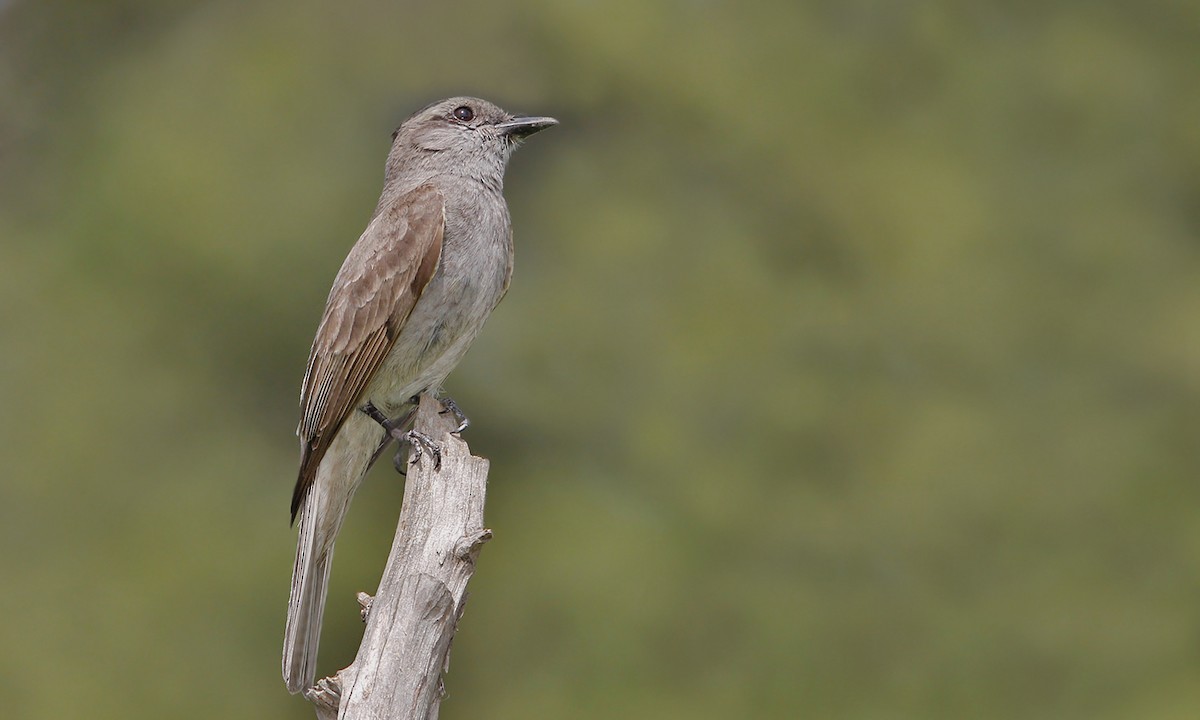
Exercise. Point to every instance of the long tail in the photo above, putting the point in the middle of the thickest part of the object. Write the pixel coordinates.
(321, 515)
(306, 607)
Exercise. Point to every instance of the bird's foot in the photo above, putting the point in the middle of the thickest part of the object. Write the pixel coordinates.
(451, 407)
(420, 443)
(394, 429)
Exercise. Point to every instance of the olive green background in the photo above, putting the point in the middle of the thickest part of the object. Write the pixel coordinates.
(851, 366)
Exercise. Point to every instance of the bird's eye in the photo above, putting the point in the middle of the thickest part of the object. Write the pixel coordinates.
(464, 113)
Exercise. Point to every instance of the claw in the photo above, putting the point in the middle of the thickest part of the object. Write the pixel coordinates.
(449, 406)
(420, 444)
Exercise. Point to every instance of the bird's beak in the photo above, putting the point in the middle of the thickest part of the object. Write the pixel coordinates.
(524, 126)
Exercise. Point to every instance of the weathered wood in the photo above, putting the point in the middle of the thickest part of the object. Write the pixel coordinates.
(413, 616)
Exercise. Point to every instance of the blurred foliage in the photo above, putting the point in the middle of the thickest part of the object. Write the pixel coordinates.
(851, 368)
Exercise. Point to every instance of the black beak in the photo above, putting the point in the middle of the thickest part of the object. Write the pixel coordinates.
(525, 126)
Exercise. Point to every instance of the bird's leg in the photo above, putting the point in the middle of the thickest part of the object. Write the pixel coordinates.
(377, 415)
(449, 406)
(393, 429)
(418, 441)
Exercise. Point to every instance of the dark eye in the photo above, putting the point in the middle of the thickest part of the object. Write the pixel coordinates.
(464, 113)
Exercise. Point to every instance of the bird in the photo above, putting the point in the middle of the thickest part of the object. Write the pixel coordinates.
(413, 293)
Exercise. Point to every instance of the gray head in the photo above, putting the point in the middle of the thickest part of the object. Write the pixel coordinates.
(459, 136)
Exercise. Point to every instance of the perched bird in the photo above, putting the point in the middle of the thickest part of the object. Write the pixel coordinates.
(411, 296)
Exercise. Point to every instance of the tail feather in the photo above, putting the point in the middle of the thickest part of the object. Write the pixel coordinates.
(306, 607)
(322, 510)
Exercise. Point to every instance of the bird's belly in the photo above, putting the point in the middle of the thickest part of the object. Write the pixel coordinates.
(442, 326)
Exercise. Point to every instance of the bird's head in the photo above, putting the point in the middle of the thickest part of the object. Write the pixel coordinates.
(461, 135)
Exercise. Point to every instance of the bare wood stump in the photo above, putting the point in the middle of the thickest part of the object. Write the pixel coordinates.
(413, 616)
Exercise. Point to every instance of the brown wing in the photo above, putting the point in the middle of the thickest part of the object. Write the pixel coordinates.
(372, 296)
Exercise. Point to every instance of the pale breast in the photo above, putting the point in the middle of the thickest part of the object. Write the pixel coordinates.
(472, 276)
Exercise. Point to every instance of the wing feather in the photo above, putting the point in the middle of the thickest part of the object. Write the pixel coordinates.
(372, 297)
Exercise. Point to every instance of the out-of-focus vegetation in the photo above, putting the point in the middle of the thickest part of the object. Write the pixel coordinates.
(851, 368)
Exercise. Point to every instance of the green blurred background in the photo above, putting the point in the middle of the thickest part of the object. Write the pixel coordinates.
(851, 367)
